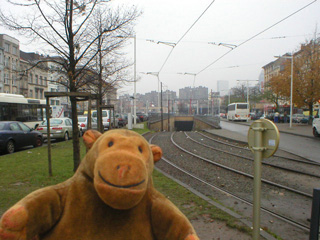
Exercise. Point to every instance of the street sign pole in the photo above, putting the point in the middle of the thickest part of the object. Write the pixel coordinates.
(257, 179)
(263, 140)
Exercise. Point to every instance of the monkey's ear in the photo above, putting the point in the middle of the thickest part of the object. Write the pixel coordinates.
(157, 152)
(90, 136)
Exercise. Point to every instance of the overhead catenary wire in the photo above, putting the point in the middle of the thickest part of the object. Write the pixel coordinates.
(283, 19)
(185, 35)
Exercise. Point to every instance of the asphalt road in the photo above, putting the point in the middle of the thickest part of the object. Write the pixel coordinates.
(303, 146)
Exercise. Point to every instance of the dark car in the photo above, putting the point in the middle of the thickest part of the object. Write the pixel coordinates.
(142, 117)
(281, 118)
(15, 135)
(122, 119)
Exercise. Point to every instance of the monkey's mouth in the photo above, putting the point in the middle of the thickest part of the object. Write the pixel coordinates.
(120, 186)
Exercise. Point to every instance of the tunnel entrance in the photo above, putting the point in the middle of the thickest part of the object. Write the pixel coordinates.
(183, 125)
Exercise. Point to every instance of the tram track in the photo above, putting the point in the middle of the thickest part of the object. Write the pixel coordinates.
(242, 173)
(235, 144)
(195, 168)
(314, 168)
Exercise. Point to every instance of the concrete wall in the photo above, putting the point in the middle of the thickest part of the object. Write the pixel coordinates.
(199, 124)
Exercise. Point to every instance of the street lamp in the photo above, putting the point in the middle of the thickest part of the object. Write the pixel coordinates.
(194, 79)
(291, 85)
(157, 75)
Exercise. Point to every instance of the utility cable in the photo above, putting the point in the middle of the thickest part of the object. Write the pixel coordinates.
(185, 34)
(256, 35)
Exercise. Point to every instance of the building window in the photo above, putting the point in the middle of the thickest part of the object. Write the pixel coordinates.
(6, 47)
(41, 81)
(6, 61)
(14, 66)
(6, 78)
(14, 80)
(14, 50)
(45, 81)
(31, 78)
(37, 79)
(36, 92)
(31, 93)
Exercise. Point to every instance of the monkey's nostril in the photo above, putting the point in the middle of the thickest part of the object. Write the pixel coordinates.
(118, 167)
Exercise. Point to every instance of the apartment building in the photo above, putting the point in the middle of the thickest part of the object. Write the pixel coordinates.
(273, 69)
(196, 93)
(1, 68)
(11, 57)
(34, 75)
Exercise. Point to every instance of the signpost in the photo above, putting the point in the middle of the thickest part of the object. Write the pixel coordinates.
(263, 140)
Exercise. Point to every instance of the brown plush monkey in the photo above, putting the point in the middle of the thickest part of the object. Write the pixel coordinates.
(110, 197)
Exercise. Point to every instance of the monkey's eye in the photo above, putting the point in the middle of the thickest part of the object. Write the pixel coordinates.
(110, 144)
(140, 149)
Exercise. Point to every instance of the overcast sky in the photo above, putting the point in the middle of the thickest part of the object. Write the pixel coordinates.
(231, 22)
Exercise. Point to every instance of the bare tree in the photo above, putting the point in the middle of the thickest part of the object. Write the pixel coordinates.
(64, 26)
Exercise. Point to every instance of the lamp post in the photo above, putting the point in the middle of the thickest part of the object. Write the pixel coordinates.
(135, 81)
(291, 86)
(135, 76)
(194, 79)
(157, 75)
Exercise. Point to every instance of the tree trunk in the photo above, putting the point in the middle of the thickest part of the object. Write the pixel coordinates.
(75, 134)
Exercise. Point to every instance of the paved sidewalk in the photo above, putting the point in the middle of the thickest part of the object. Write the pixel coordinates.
(298, 129)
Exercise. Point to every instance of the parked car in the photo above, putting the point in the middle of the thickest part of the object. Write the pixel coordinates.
(142, 117)
(270, 116)
(316, 126)
(299, 118)
(60, 128)
(281, 118)
(15, 135)
(254, 116)
(122, 119)
(83, 123)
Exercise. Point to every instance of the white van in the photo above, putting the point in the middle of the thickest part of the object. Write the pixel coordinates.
(105, 118)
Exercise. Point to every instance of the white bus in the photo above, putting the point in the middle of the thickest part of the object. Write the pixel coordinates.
(15, 107)
(238, 112)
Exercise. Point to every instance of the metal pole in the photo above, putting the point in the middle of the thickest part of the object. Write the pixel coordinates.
(48, 136)
(158, 91)
(168, 113)
(161, 110)
(257, 180)
(135, 82)
(291, 90)
(248, 92)
(315, 213)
